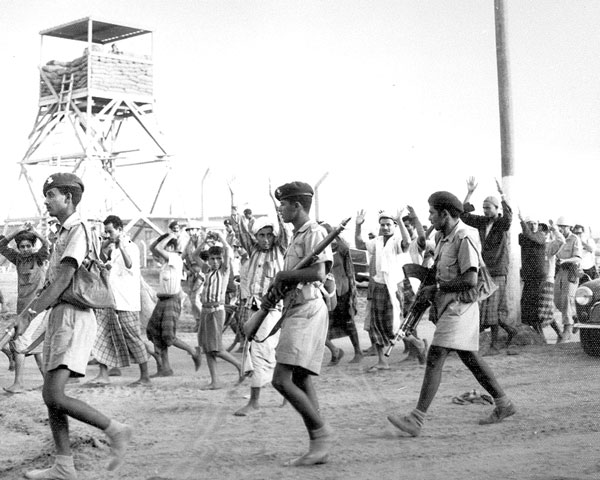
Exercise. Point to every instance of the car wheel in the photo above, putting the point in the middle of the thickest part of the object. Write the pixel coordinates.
(590, 341)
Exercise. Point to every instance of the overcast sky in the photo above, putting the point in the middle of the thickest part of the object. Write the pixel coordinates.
(395, 99)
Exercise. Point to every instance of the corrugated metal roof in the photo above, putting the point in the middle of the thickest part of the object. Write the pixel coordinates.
(103, 32)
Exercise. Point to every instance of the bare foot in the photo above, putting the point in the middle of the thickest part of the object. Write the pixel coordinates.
(357, 358)
(141, 382)
(162, 373)
(211, 386)
(197, 359)
(114, 372)
(247, 410)
(99, 380)
(15, 388)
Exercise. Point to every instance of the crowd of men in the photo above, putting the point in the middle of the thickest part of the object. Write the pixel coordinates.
(245, 274)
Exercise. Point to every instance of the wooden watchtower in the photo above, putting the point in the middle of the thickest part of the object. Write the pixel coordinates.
(107, 87)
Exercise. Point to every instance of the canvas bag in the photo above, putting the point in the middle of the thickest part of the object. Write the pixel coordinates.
(90, 287)
(485, 285)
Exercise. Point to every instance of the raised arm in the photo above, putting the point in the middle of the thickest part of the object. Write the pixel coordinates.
(158, 247)
(358, 240)
(403, 231)
(471, 186)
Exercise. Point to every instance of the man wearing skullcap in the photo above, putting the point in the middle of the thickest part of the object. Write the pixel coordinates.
(299, 352)
(457, 261)
(386, 290)
(265, 242)
(493, 228)
(70, 333)
(567, 277)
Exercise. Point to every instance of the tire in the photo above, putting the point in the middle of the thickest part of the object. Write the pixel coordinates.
(590, 341)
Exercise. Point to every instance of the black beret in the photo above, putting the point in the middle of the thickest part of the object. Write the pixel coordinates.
(62, 179)
(445, 200)
(294, 189)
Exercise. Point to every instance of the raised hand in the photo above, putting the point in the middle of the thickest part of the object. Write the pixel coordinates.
(499, 187)
(360, 217)
(411, 212)
(471, 184)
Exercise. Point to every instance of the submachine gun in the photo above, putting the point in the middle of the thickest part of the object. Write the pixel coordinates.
(419, 306)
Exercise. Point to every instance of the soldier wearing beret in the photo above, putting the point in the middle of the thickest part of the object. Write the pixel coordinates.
(70, 333)
(304, 329)
(457, 260)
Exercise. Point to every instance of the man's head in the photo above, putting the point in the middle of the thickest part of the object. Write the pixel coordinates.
(533, 224)
(444, 210)
(387, 224)
(294, 197)
(175, 227)
(62, 192)
(215, 257)
(113, 226)
(248, 213)
(490, 207)
(265, 230)
(578, 229)
(409, 224)
(25, 241)
(193, 229)
(228, 225)
(564, 225)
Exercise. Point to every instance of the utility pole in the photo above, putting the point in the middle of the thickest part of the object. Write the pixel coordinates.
(509, 179)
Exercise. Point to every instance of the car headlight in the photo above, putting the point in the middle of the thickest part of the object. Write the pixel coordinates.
(583, 296)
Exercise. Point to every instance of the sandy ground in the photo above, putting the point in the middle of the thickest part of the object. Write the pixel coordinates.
(183, 432)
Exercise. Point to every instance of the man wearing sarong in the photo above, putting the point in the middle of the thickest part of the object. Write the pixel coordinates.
(386, 282)
(457, 260)
(119, 337)
(493, 228)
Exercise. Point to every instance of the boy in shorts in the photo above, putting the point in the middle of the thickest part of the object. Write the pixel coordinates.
(212, 317)
(70, 333)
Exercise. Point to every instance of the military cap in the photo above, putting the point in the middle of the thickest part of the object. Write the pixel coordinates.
(294, 189)
(445, 200)
(62, 179)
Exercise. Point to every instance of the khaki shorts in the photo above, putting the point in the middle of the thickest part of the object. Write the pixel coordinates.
(69, 338)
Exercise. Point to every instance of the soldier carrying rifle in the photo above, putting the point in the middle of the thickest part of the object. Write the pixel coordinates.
(304, 329)
(456, 262)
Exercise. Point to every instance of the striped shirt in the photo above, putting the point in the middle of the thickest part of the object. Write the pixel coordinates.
(215, 286)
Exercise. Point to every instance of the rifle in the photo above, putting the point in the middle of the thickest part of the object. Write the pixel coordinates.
(253, 324)
(419, 306)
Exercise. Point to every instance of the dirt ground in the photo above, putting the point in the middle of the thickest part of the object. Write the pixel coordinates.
(183, 432)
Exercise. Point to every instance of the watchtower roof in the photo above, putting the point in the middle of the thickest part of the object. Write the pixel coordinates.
(102, 32)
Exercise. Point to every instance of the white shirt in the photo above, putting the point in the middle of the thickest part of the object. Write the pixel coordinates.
(169, 281)
(125, 282)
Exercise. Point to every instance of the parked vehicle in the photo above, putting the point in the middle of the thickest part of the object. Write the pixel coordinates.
(587, 300)
(360, 260)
